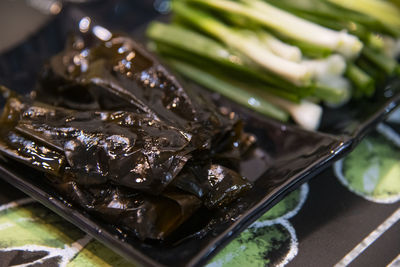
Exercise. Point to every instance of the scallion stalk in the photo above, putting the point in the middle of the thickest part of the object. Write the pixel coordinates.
(289, 70)
(172, 39)
(381, 10)
(363, 82)
(230, 91)
(289, 25)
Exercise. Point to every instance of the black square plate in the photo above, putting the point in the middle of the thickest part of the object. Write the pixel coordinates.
(293, 155)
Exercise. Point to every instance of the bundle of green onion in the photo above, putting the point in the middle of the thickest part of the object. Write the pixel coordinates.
(283, 58)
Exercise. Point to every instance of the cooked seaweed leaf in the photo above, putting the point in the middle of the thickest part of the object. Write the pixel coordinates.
(147, 216)
(119, 74)
(216, 185)
(116, 134)
(16, 146)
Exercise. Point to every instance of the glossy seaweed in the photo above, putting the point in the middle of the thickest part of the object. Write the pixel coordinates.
(118, 135)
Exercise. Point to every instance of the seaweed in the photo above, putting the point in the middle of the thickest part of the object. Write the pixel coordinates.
(118, 135)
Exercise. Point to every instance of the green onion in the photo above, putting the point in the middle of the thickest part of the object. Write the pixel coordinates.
(230, 91)
(364, 83)
(274, 56)
(289, 70)
(175, 37)
(381, 10)
(289, 25)
(384, 62)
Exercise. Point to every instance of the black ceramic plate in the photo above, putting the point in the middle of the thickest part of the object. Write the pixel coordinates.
(293, 155)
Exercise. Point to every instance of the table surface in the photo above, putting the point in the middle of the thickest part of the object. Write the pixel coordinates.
(347, 215)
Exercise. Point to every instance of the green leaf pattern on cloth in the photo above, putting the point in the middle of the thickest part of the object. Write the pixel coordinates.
(30, 230)
(372, 170)
(33, 232)
(270, 241)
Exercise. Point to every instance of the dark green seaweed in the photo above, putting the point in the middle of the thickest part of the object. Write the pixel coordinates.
(118, 135)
